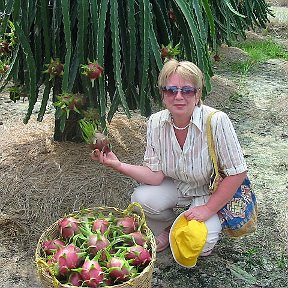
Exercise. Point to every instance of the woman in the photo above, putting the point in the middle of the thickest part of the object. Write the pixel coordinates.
(177, 166)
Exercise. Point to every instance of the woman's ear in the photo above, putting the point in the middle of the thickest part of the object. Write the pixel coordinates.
(198, 97)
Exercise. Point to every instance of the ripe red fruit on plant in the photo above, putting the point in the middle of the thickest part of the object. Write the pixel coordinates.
(92, 273)
(68, 227)
(50, 246)
(139, 255)
(128, 224)
(92, 70)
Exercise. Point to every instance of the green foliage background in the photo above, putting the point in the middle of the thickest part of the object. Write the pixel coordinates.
(123, 36)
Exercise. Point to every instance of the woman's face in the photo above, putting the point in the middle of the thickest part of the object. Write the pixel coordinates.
(180, 104)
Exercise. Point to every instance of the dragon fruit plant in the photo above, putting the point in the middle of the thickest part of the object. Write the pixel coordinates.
(95, 250)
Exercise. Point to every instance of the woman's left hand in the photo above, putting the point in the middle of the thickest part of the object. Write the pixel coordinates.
(199, 213)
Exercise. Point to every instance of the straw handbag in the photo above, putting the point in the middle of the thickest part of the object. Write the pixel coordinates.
(143, 280)
(239, 216)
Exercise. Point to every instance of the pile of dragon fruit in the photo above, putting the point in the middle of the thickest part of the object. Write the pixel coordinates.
(97, 251)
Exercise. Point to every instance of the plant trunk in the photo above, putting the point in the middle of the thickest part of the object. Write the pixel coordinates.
(72, 130)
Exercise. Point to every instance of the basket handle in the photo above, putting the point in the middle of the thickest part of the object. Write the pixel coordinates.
(55, 280)
(131, 207)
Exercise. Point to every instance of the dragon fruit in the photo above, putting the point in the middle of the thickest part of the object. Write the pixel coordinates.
(119, 269)
(101, 225)
(66, 258)
(75, 279)
(68, 227)
(139, 255)
(92, 70)
(128, 224)
(92, 273)
(138, 238)
(50, 246)
(96, 242)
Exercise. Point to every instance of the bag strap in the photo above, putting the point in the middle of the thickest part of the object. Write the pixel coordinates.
(212, 150)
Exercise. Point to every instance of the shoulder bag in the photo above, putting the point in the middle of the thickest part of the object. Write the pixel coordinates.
(239, 216)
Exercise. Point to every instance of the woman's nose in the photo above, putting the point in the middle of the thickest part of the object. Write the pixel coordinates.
(179, 94)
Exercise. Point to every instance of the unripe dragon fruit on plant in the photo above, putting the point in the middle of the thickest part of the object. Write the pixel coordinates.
(54, 68)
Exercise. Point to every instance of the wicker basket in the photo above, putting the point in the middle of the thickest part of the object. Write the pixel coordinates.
(143, 280)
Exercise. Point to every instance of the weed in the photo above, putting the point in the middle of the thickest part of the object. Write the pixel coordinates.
(282, 263)
(242, 67)
(263, 50)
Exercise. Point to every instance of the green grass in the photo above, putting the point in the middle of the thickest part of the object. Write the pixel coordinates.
(261, 51)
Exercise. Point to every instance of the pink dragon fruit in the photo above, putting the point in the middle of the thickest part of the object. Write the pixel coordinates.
(97, 242)
(139, 255)
(92, 273)
(119, 269)
(101, 225)
(66, 258)
(51, 246)
(75, 279)
(68, 227)
(128, 224)
(138, 238)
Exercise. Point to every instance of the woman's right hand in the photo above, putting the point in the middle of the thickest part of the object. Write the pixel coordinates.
(106, 158)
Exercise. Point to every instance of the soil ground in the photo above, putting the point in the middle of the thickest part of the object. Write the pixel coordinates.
(42, 180)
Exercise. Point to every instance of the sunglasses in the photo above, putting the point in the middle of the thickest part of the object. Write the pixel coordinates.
(188, 91)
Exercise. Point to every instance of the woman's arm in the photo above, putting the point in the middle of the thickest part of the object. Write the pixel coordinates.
(141, 174)
(224, 193)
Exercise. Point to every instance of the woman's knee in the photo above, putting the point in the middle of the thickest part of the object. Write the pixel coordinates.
(145, 198)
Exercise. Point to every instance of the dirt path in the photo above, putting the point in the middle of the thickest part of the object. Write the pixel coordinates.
(259, 113)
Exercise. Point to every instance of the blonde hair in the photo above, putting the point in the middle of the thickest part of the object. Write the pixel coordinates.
(185, 69)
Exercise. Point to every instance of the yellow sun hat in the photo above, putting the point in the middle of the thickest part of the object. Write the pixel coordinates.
(187, 239)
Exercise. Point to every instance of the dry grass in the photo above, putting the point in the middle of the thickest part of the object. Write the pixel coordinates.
(42, 180)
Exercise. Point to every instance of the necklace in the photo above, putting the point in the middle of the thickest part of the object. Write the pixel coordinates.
(179, 128)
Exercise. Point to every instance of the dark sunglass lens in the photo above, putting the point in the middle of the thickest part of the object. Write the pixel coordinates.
(171, 90)
(188, 90)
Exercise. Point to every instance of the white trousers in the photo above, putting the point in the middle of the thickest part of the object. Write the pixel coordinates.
(159, 201)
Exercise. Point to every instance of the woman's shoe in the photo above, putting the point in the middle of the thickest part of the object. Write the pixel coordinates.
(207, 253)
(162, 241)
